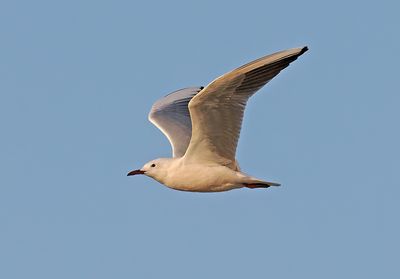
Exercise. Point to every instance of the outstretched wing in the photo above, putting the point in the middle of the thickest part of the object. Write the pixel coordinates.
(217, 111)
(171, 115)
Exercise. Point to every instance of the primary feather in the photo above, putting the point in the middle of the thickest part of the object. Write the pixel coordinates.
(217, 111)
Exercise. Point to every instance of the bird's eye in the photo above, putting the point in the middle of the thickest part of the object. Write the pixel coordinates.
(153, 165)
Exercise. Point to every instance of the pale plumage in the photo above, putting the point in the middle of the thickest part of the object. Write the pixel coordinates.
(203, 127)
(171, 115)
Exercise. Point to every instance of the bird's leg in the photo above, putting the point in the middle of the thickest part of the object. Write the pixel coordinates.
(255, 185)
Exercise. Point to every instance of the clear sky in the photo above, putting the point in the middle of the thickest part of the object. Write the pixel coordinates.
(77, 79)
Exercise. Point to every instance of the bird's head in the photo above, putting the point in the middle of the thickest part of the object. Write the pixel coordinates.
(156, 169)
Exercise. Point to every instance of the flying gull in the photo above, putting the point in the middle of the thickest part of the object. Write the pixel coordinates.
(203, 126)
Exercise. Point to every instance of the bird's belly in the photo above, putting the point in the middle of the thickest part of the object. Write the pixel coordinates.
(203, 179)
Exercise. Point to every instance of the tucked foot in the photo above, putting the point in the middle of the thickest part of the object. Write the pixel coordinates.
(253, 186)
(260, 185)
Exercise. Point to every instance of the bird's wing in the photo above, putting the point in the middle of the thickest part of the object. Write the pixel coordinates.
(171, 115)
(217, 111)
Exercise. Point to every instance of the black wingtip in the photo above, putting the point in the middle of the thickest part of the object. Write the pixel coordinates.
(304, 49)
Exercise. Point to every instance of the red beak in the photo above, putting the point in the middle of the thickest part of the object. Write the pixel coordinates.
(135, 172)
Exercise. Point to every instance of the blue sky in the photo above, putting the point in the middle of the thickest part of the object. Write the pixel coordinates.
(77, 79)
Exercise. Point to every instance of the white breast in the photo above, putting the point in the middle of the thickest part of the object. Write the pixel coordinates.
(201, 178)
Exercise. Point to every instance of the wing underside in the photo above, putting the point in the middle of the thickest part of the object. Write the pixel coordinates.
(171, 115)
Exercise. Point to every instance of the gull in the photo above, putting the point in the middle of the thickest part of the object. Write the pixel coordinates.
(203, 125)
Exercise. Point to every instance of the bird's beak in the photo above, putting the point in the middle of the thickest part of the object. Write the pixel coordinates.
(134, 172)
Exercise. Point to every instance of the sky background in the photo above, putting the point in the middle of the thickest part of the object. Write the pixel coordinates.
(77, 79)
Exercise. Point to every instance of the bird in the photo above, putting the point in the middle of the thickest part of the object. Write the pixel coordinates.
(203, 126)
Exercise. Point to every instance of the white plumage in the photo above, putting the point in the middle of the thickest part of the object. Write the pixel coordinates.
(203, 127)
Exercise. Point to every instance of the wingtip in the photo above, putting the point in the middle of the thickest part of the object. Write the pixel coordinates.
(304, 49)
(275, 184)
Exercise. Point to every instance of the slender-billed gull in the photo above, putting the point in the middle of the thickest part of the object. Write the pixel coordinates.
(203, 126)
